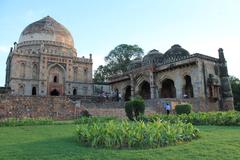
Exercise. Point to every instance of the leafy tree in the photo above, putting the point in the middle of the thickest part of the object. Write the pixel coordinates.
(235, 84)
(117, 61)
(100, 74)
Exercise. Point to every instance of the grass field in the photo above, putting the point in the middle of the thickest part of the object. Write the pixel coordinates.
(59, 142)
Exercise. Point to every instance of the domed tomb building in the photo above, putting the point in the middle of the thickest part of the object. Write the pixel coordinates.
(45, 62)
(178, 76)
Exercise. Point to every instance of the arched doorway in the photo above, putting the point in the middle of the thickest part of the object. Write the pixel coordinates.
(34, 91)
(127, 93)
(144, 91)
(54, 93)
(168, 89)
(74, 91)
(188, 88)
(56, 79)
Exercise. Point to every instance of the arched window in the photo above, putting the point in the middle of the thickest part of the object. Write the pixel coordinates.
(188, 88)
(21, 89)
(144, 90)
(22, 70)
(34, 91)
(74, 91)
(168, 89)
(127, 93)
(34, 71)
(55, 79)
(75, 71)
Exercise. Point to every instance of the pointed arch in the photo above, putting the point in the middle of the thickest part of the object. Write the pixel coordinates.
(168, 89)
(188, 87)
(144, 90)
(34, 71)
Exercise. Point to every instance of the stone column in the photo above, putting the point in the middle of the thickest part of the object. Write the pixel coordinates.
(132, 85)
(178, 83)
(152, 85)
(226, 90)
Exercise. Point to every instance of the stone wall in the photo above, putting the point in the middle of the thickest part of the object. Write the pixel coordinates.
(65, 108)
(30, 106)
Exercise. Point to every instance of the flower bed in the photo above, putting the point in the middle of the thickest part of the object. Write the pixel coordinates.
(121, 134)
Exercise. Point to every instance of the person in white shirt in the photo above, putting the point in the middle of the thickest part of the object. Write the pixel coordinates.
(168, 108)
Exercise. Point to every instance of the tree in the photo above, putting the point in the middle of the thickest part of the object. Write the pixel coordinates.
(235, 84)
(100, 74)
(117, 61)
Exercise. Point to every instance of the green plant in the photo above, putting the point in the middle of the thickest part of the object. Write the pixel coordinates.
(201, 118)
(134, 108)
(25, 121)
(121, 134)
(93, 119)
(183, 108)
(237, 106)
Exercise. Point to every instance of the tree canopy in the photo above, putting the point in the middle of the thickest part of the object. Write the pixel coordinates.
(235, 84)
(117, 61)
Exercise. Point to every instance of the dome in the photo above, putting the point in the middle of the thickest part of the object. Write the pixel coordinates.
(176, 51)
(47, 29)
(136, 63)
(153, 57)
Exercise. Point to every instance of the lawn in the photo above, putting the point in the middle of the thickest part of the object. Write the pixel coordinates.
(59, 142)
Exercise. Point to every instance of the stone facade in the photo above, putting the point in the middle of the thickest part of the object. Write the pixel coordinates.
(177, 74)
(44, 62)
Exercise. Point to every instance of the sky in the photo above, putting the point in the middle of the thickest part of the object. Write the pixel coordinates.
(98, 26)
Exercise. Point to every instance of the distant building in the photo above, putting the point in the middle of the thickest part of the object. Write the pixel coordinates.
(45, 62)
(177, 74)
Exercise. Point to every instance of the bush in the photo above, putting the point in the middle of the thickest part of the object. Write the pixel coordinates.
(85, 113)
(134, 108)
(237, 107)
(93, 119)
(121, 134)
(183, 108)
(202, 118)
(25, 122)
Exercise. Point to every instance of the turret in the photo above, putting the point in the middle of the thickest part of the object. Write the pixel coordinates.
(226, 90)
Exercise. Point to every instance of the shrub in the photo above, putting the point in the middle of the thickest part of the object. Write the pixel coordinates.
(93, 119)
(201, 118)
(237, 107)
(183, 108)
(121, 134)
(25, 122)
(134, 108)
(85, 113)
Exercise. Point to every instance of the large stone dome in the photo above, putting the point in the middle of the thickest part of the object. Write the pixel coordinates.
(176, 51)
(47, 29)
(153, 57)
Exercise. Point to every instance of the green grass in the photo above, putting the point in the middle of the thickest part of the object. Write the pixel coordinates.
(59, 142)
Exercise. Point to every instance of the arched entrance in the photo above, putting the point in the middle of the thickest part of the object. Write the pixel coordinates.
(188, 88)
(56, 80)
(54, 92)
(127, 93)
(34, 91)
(144, 90)
(74, 91)
(168, 89)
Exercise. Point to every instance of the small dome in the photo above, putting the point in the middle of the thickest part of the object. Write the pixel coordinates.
(136, 63)
(176, 51)
(47, 29)
(153, 57)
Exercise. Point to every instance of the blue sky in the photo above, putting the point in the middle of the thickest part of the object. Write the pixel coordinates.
(97, 26)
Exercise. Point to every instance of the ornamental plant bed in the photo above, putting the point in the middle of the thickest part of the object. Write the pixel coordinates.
(125, 134)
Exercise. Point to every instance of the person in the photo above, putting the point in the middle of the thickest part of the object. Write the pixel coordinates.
(168, 108)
